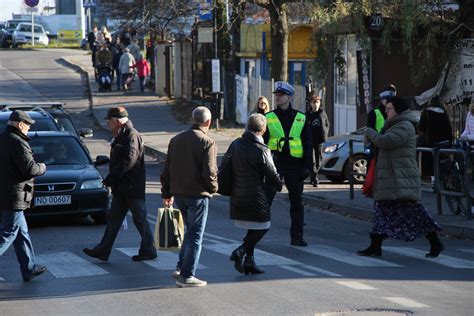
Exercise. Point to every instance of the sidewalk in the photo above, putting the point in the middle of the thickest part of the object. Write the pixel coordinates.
(151, 115)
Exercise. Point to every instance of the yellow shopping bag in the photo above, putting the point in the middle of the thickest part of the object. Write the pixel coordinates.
(169, 229)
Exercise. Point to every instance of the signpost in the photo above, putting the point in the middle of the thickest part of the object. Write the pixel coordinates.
(32, 4)
(88, 4)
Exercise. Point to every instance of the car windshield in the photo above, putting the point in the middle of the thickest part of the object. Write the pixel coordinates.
(27, 28)
(59, 151)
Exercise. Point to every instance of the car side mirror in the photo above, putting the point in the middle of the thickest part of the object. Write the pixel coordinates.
(86, 132)
(101, 160)
(47, 32)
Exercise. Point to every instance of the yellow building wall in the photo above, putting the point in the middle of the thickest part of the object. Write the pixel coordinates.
(300, 42)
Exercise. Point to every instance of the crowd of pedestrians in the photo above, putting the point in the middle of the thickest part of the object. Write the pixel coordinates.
(121, 56)
(276, 148)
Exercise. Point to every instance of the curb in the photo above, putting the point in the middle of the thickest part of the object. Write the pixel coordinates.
(367, 215)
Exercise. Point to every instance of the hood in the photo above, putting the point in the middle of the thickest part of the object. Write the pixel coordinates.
(75, 173)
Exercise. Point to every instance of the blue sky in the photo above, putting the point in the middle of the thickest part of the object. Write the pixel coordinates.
(7, 7)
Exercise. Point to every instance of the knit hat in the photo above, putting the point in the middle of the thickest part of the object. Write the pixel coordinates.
(398, 104)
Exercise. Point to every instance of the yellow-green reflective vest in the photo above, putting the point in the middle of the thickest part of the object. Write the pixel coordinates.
(277, 135)
(379, 120)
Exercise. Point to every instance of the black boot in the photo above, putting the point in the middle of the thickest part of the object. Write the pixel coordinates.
(375, 248)
(436, 245)
(238, 257)
(250, 267)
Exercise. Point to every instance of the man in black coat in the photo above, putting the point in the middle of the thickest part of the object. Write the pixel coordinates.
(289, 138)
(127, 180)
(17, 170)
(319, 124)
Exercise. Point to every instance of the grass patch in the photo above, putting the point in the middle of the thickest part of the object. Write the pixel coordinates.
(53, 44)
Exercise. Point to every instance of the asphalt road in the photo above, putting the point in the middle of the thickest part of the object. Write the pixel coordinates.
(326, 277)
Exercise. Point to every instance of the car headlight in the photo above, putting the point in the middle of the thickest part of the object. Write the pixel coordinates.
(332, 148)
(92, 184)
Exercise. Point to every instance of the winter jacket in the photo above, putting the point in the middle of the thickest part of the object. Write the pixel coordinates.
(104, 57)
(17, 170)
(126, 63)
(286, 118)
(319, 125)
(143, 67)
(253, 177)
(190, 167)
(396, 173)
(127, 173)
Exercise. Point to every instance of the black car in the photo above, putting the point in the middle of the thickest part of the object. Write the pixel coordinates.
(72, 183)
(53, 109)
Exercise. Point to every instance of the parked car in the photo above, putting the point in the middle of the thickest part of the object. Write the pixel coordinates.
(335, 164)
(22, 34)
(72, 184)
(6, 34)
(53, 109)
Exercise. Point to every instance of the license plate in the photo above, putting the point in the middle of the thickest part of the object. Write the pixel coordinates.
(53, 200)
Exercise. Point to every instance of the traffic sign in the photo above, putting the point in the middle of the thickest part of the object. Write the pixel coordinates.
(31, 3)
(89, 3)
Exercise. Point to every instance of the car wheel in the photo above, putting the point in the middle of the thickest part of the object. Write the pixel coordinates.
(99, 218)
(335, 179)
(359, 165)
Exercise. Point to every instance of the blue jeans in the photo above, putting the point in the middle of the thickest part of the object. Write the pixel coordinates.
(194, 212)
(15, 231)
(118, 210)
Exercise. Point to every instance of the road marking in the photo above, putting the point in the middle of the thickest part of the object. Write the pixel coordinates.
(346, 257)
(322, 271)
(356, 285)
(68, 265)
(442, 259)
(299, 271)
(263, 258)
(166, 259)
(219, 238)
(470, 250)
(406, 302)
(2, 279)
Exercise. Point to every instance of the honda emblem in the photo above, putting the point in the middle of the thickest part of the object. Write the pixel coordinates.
(51, 188)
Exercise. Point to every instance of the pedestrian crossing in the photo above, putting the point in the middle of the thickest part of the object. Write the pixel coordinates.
(68, 264)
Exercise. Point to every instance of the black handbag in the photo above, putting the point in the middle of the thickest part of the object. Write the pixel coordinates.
(224, 174)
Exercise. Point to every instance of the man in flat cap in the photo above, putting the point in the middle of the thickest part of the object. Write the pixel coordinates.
(289, 138)
(127, 180)
(17, 170)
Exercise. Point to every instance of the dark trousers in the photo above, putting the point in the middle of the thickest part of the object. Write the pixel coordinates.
(294, 182)
(252, 238)
(119, 78)
(318, 157)
(142, 83)
(118, 211)
(15, 231)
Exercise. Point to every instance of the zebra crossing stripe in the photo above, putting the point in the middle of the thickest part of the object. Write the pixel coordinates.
(346, 257)
(166, 259)
(299, 271)
(2, 279)
(68, 265)
(470, 250)
(406, 302)
(356, 285)
(321, 271)
(442, 259)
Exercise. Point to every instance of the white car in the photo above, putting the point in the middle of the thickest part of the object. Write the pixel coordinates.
(22, 35)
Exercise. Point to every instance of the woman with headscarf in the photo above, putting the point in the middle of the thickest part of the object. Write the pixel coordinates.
(399, 214)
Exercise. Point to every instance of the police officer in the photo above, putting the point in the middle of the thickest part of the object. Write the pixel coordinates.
(289, 138)
(17, 170)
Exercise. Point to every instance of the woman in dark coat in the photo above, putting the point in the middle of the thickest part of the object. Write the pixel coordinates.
(434, 127)
(399, 214)
(254, 177)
